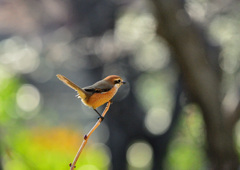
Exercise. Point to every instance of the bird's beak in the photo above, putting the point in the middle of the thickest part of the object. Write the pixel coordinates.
(123, 82)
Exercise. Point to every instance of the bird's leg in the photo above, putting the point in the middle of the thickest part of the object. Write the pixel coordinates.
(111, 101)
(99, 114)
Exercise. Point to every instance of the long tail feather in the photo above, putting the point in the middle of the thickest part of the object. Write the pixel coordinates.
(72, 85)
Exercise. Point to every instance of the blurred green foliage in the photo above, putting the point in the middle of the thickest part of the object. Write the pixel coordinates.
(8, 88)
(157, 86)
(50, 148)
(186, 150)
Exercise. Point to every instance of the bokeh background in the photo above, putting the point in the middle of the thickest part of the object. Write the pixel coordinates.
(154, 123)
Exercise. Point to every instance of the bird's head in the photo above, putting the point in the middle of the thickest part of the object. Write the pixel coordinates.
(115, 80)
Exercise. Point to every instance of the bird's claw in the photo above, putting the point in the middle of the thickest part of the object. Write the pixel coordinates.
(101, 117)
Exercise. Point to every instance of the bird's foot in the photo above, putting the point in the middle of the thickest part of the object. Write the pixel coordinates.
(101, 117)
(111, 102)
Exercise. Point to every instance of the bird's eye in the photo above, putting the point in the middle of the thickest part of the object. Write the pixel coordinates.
(117, 81)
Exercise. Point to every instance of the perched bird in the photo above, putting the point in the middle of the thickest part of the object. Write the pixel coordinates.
(97, 94)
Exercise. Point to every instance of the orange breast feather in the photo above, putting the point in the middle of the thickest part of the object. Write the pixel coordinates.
(98, 99)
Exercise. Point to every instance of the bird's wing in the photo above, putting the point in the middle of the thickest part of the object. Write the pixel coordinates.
(99, 87)
(96, 90)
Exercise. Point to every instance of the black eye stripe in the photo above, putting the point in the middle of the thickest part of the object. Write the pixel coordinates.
(117, 81)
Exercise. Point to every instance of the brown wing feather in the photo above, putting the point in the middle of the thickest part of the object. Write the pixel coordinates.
(99, 87)
(96, 90)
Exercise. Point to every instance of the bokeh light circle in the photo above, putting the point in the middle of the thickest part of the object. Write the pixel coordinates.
(28, 98)
(139, 154)
(157, 121)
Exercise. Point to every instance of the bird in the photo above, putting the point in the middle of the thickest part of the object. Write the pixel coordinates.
(97, 94)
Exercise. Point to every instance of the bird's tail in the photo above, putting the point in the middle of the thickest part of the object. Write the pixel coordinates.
(68, 82)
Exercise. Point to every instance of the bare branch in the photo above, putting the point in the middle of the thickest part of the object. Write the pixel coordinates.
(86, 137)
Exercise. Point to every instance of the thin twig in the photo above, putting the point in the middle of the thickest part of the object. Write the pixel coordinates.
(86, 137)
